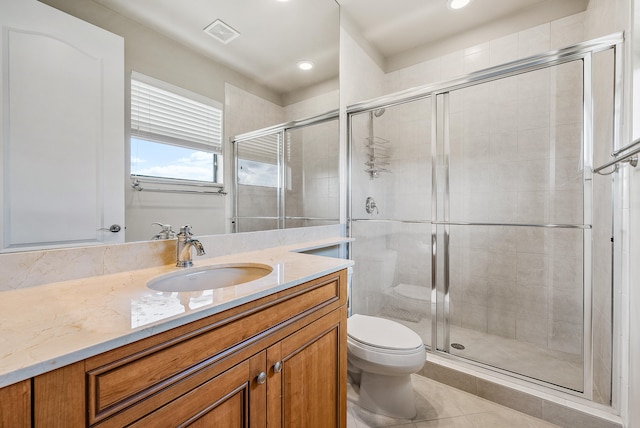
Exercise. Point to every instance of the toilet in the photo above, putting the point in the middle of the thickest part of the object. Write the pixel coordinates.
(382, 354)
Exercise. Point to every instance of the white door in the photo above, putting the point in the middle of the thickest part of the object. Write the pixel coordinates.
(61, 129)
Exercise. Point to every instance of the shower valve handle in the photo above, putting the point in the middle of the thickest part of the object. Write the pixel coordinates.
(370, 205)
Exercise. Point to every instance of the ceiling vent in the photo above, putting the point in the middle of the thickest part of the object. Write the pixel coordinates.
(221, 31)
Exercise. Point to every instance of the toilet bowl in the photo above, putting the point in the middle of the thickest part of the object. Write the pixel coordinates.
(382, 354)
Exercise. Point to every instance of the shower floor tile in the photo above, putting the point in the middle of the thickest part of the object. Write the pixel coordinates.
(528, 359)
(441, 406)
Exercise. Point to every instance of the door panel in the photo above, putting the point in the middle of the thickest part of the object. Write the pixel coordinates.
(511, 268)
(312, 385)
(62, 128)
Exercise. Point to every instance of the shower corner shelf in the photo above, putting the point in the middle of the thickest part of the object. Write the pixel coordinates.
(378, 156)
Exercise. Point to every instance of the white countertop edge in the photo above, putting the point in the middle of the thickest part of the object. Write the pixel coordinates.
(11, 376)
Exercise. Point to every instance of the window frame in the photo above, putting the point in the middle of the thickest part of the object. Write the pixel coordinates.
(216, 151)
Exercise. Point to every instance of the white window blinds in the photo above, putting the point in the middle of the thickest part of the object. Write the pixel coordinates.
(163, 115)
(262, 149)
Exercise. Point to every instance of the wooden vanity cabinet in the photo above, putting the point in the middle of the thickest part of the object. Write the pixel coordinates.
(279, 361)
(15, 405)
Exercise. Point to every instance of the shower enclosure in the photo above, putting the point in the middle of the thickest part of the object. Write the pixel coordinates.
(287, 175)
(485, 231)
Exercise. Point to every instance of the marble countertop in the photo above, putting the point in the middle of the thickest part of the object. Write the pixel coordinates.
(49, 326)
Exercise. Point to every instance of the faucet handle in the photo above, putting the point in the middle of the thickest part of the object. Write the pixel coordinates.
(166, 231)
(186, 230)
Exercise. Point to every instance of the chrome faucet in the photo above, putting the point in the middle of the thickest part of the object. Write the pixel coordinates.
(167, 232)
(183, 249)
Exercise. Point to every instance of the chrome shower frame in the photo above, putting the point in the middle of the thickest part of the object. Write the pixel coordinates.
(279, 130)
(440, 221)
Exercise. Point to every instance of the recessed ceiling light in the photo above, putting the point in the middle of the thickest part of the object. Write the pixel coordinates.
(457, 4)
(305, 65)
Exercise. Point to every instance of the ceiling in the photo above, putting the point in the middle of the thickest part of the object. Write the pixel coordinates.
(397, 26)
(274, 35)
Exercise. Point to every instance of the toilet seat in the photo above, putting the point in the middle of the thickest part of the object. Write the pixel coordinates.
(397, 338)
(361, 349)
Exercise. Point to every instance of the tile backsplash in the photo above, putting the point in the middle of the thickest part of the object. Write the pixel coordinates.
(33, 268)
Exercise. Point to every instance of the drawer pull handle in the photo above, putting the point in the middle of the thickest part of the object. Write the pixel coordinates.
(277, 367)
(261, 378)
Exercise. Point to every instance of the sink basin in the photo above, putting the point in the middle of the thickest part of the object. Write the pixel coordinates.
(209, 277)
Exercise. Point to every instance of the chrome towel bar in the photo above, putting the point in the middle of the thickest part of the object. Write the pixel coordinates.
(135, 184)
(629, 157)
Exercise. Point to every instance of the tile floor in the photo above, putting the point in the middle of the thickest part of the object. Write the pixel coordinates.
(442, 406)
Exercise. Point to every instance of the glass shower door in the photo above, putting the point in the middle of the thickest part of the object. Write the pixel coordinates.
(391, 214)
(258, 183)
(514, 224)
(490, 216)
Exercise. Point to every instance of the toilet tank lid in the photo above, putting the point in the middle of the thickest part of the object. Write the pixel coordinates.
(368, 330)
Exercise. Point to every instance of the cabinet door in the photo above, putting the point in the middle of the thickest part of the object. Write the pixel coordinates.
(234, 399)
(308, 388)
(59, 398)
(15, 405)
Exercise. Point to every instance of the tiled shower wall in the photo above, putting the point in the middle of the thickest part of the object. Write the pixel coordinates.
(313, 188)
(313, 181)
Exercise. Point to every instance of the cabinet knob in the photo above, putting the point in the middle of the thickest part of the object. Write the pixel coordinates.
(261, 378)
(277, 367)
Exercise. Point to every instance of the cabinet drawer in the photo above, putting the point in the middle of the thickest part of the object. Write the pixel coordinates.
(128, 380)
(223, 401)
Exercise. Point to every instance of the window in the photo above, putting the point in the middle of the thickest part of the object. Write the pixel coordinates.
(176, 135)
